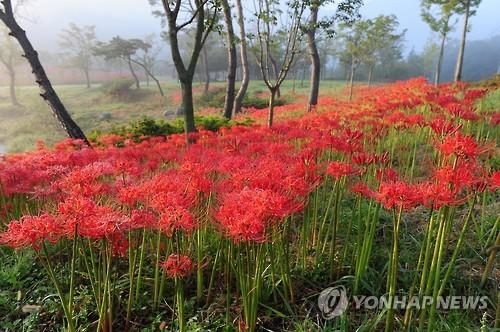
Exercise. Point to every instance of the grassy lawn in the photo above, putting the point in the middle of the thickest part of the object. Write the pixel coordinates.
(21, 127)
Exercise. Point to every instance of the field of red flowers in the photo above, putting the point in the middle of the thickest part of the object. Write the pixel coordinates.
(394, 193)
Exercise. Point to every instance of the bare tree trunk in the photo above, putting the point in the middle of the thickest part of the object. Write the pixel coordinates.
(137, 83)
(270, 116)
(275, 72)
(148, 75)
(47, 92)
(294, 82)
(231, 65)
(437, 76)
(303, 78)
(188, 105)
(370, 75)
(314, 57)
(206, 70)
(12, 79)
(87, 78)
(12, 86)
(244, 61)
(351, 80)
(461, 51)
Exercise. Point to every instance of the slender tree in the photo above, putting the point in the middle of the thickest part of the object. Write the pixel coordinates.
(346, 12)
(267, 19)
(10, 56)
(467, 8)
(355, 40)
(231, 56)
(439, 22)
(78, 44)
(381, 35)
(245, 67)
(47, 92)
(202, 14)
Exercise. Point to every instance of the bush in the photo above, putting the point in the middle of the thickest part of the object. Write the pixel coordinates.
(117, 87)
(148, 127)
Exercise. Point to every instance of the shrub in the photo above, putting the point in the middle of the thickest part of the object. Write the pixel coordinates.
(117, 87)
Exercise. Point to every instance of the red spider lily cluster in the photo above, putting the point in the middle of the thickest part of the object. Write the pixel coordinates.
(252, 188)
(255, 176)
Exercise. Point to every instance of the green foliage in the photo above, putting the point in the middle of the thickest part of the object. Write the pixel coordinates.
(118, 87)
(149, 127)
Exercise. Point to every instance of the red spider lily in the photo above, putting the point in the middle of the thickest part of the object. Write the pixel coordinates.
(465, 175)
(177, 266)
(246, 215)
(442, 127)
(339, 169)
(362, 189)
(32, 231)
(91, 220)
(461, 146)
(437, 195)
(176, 219)
(387, 174)
(398, 195)
(495, 180)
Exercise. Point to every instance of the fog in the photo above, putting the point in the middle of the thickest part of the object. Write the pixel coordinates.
(132, 18)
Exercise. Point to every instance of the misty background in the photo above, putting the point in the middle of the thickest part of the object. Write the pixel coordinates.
(44, 20)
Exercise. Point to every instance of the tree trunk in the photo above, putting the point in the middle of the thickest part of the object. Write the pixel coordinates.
(275, 72)
(351, 80)
(147, 78)
(238, 101)
(231, 65)
(314, 57)
(149, 74)
(303, 78)
(87, 78)
(437, 76)
(131, 68)
(370, 76)
(270, 116)
(12, 86)
(294, 82)
(187, 105)
(460, 59)
(206, 70)
(47, 92)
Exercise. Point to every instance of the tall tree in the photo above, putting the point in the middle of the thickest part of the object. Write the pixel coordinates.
(231, 60)
(439, 22)
(467, 8)
(347, 11)
(245, 67)
(382, 35)
(78, 43)
(267, 19)
(202, 14)
(47, 92)
(10, 57)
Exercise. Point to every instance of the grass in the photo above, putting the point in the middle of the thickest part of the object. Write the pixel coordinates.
(21, 127)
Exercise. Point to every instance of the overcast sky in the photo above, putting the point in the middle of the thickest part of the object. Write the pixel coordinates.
(132, 18)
